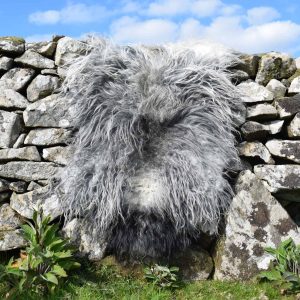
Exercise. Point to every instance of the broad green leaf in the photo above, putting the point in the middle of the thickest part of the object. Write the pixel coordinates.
(29, 233)
(58, 242)
(289, 276)
(21, 283)
(174, 269)
(272, 275)
(49, 234)
(14, 271)
(58, 270)
(34, 216)
(271, 251)
(287, 243)
(51, 278)
(36, 262)
(63, 254)
(69, 264)
(49, 254)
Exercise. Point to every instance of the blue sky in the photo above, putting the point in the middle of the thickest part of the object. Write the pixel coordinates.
(251, 26)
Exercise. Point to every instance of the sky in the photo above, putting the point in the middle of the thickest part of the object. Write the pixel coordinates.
(251, 26)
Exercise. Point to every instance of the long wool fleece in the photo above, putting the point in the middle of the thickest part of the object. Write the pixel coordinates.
(153, 146)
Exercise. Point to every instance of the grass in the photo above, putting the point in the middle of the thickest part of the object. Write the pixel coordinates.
(95, 282)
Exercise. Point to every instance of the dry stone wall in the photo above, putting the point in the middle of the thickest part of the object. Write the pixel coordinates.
(36, 126)
(266, 208)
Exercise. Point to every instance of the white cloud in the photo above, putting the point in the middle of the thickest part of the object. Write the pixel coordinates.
(153, 31)
(130, 6)
(228, 30)
(258, 29)
(206, 8)
(168, 7)
(279, 36)
(201, 8)
(39, 38)
(191, 29)
(253, 31)
(72, 13)
(231, 9)
(46, 17)
(262, 14)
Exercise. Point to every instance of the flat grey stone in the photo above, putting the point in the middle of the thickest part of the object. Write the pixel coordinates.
(277, 88)
(253, 92)
(12, 45)
(249, 64)
(74, 231)
(42, 86)
(194, 265)
(59, 154)
(289, 106)
(261, 112)
(294, 127)
(20, 141)
(69, 50)
(6, 63)
(28, 170)
(275, 65)
(44, 48)
(49, 72)
(282, 180)
(33, 186)
(47, 137)
(286, 83)
(48, 112)
(35, 60)
(16, 78)
(4, 185)
(12, 99)
(43, 182)
(11, 239)
(255, 150)
(289, 150)
(10, 128)
(25, 153)
(62, 72)
(257, 131)
(9, 219)
(254, 221)
(25, 204)
(295, 86)
(239, 76)
(274, 126)
(18, 186)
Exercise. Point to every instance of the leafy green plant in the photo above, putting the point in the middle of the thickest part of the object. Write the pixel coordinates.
(162, 276)
(43, 263)
(285, 268)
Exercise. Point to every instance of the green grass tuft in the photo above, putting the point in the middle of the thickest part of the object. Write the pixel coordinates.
(106, 282)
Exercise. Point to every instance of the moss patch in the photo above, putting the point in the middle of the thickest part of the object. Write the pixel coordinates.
(296, 74)
(14, 39)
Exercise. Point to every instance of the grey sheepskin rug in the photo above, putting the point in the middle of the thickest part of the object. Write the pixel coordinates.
(154, 142)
